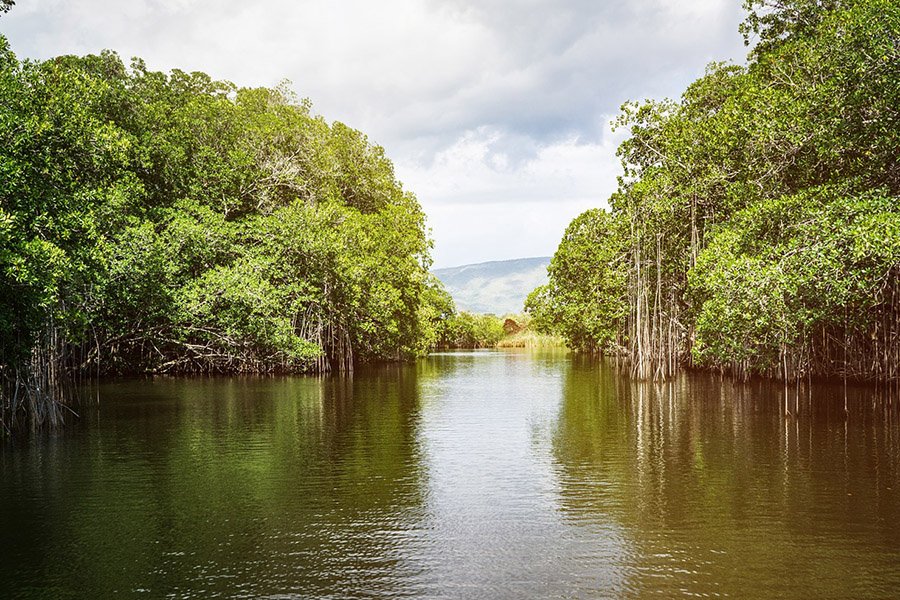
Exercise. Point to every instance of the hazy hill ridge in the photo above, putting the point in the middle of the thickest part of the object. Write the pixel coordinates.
(497, 287)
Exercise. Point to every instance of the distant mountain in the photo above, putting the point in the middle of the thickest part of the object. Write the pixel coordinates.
(497, 287)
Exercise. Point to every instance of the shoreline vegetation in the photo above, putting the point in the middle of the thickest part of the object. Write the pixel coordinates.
(170, 223)
(756, 227)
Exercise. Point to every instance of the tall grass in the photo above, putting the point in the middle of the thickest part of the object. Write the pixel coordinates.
(531, 339)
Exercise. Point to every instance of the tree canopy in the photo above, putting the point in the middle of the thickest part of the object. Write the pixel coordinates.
(169, 222)
(759, 213)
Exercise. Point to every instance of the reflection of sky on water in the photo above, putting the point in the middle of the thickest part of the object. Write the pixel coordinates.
(493, 497)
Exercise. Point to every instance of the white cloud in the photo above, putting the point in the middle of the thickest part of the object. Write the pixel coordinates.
(484, 204)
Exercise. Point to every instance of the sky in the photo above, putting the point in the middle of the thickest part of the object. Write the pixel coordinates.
(496, 113)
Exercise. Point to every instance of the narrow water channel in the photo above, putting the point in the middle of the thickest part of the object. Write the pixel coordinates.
(489, 474)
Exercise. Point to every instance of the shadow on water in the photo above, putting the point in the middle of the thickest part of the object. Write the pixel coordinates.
(220, 487)
(719, 494)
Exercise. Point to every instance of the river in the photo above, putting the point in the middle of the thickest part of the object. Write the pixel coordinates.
(488, 474)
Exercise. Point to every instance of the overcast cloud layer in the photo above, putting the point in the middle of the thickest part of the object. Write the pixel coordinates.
(496, 113)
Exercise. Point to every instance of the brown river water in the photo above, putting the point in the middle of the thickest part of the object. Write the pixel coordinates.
(489, 474)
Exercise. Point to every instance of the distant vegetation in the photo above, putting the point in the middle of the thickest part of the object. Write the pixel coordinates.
(481, 291)
(154, 222)
(470, 330)
(756, 228)
(529, 338)
(462, 329)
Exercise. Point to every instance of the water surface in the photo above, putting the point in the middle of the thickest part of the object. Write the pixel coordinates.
(491, 474)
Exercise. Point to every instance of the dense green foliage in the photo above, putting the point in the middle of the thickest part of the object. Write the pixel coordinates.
(154, 222)
(470, 330)
(583, 299)
(757, 223)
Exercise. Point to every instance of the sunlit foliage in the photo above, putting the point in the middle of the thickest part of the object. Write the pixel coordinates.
(757, 213)
(169, 222)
